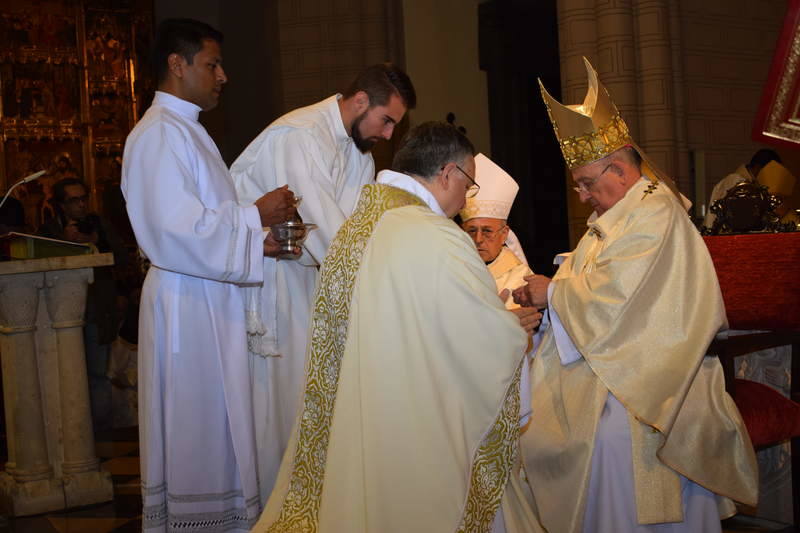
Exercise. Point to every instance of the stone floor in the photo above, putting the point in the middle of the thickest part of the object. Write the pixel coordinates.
(119, 453)
(743, 523)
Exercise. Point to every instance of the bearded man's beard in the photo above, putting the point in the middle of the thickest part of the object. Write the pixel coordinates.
(364, 145)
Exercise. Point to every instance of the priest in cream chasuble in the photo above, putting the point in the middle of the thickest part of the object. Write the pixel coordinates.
(631, 428)
(406, 424)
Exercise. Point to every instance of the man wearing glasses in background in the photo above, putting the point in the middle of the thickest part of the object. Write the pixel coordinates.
(484, 219)
(75, 223)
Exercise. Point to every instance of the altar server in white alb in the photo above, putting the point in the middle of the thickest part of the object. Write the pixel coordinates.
(323, 153)
(195, 418)
(485, 219)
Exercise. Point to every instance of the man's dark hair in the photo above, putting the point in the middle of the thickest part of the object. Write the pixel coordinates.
(764, 156)
(179, 36)
(59, 190)
(380, 82)
(430, 146)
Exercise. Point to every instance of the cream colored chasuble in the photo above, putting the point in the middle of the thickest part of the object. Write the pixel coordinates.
(407, 424)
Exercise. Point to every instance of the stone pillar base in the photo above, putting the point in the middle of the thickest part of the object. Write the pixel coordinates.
(87, 488)
(30, 497)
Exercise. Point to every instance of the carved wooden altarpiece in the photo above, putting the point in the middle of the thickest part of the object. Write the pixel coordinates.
(73, 81)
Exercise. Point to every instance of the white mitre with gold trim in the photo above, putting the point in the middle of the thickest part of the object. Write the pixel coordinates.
(494, 199)
(496, 195)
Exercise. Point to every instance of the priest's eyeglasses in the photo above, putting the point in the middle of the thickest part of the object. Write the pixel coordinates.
(586, 186)
(486, 233)
(473, 189)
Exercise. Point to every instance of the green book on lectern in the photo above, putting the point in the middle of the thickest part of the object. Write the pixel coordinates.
(15, 246)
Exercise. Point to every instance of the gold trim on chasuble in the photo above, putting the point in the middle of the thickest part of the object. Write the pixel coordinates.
(490, 472)
(300, 509)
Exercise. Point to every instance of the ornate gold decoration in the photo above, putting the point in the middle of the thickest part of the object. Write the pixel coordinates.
(583, 149)
(485, 208)
(594, 129)
(589, 131)
(776, 126)
(490, 466)
(300, 509)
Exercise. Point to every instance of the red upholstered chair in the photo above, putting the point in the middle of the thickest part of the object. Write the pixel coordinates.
(770, 417)
(759, 275)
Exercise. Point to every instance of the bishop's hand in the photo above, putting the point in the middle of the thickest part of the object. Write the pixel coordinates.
(534, 293)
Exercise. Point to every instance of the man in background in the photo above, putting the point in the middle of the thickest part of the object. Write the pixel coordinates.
(781, 184)
(73, 222)
(485, 219)
(745, 173)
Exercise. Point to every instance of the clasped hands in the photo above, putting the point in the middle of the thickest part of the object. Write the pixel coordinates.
(533, 293)
(275, 207)
(529, 317)
(532, 296)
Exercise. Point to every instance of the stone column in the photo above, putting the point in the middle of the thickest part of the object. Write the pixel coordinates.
(84, 483)
(657, 125)
(616, 58)
(27, 486)
(577, 37)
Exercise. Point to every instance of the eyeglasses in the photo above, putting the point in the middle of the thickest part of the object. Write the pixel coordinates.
(587, 186)
(486, 233)
(75, 200)
(473, 189)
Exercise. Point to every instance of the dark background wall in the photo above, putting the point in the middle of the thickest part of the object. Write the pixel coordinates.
(518, 44)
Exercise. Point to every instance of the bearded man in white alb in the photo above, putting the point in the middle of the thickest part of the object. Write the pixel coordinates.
(323, 153)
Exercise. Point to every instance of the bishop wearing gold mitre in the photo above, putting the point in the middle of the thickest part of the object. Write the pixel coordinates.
(632, 429)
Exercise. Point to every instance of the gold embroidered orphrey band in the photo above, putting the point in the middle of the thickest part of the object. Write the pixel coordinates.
(490, 469)
(300, 509)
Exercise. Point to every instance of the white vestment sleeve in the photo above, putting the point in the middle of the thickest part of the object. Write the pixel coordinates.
(567, 351)
(173, 227)
(525, 392)
(306, 176)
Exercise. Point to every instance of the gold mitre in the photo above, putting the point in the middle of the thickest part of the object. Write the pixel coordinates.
(594, 129)
(589, 131)
(496, 195)
(777, 179)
